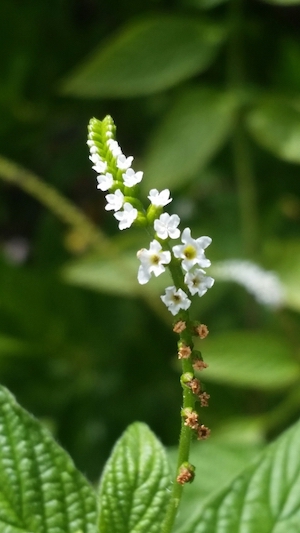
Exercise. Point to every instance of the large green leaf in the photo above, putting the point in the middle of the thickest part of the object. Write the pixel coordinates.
(264, 499)
(194, 130)
(275, 125)
(147, 56)
(250, 359)
(134, 487)
(40, 489)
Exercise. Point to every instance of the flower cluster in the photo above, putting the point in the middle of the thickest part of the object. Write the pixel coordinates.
(187, 260)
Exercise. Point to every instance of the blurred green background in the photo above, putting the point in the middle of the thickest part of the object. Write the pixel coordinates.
(206, 95)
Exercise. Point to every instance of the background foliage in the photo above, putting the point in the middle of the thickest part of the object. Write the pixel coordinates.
(205, 94)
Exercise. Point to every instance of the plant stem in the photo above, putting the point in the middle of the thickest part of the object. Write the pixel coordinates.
(184, 439)
(242, 161)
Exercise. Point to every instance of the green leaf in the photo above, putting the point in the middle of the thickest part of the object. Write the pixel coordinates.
(250, 359)
(283, 2)
(147, 56)
(265, 498)
(40, 489)
(204, 4)
(286, 256)
(13, 346)
(190, 135)
(114, 275)
(134, 487)
(275, 125)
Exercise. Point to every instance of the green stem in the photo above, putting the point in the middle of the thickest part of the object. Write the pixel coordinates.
(242, 161)
(184, 439)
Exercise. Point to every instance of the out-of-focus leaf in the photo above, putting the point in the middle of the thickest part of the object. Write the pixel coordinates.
(205, 4)
(264, 498)
(283, 2)
(40, 489)
(13, 346)
(195, 129)
(113, 275)
(134, 489)
(218, 463)
(147, 56)
(286, 256)
(275, 125)
(250, 359)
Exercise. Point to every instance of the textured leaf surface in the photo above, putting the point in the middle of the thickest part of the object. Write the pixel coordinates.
(249, 358)
(134, 487)
(40, 489)
(264, 499)
(276, 126)
(148, 56)
(190, 135)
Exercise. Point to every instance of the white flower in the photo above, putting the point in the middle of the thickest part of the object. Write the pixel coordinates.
(124, 162)
(152, 260)
(192, 250)
(131, 178)
(175, 299)
(114, 147)
(264, 285)
(99, 165)
(105, 181)
(114, 201)
(159, 199)
(198, 282)
(166, 226)
(127, 216)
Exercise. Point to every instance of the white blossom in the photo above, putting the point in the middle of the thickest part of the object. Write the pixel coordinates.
(159, 199)
(166, 226)
(264, 285)
(198, 282)
(175, 299)
(114, 201)
(131, 177)
(192, 250)
(105, 181)
(127, 216)
(114, 147)
(152, 261)
(124, 162)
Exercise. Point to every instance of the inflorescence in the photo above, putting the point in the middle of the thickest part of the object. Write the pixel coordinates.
(116, 176)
